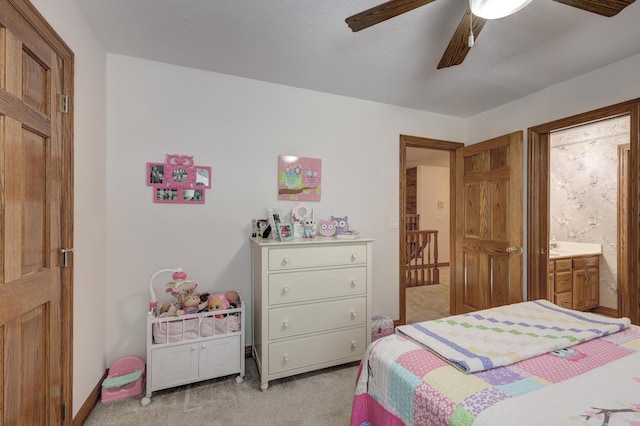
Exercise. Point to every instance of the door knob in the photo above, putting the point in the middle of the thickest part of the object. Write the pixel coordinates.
(512, 250)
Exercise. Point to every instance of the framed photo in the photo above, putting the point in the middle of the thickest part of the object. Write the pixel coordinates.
(275, 217)
(285, 231)
(178, 180)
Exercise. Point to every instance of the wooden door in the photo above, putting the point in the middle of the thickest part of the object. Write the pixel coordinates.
(35, 319)
(489, 224)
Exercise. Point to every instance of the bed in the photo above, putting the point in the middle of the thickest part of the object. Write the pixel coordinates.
(531, 363)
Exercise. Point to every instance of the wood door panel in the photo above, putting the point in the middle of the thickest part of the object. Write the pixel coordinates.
(489, 224)
(35, 83)
(34, 213)
(25, 356)
(472, 209)
(499, 207)
(472, 296)
(35, 206)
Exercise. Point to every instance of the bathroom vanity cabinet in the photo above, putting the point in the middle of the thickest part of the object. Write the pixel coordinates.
(573, 282)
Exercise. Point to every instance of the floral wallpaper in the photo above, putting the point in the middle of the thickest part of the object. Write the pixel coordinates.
(584, 191)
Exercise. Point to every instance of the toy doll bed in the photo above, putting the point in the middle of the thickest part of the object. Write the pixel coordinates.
(531, 363)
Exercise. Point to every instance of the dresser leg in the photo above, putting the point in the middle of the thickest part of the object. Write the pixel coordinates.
(264, 386)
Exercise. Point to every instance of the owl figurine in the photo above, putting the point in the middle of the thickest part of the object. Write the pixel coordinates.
(342, 224)
(327, 228)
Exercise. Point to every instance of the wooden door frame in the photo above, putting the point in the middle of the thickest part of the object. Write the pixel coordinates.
(407, 141)
(39, 23)
(538, 203)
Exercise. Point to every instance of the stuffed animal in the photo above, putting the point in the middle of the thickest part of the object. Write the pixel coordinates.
(188, 303)
(309, 227)
(327, 228)
(342, 224)
(217, 302)
(233, 297)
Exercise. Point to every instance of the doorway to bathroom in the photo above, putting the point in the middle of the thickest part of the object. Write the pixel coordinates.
(568, 158)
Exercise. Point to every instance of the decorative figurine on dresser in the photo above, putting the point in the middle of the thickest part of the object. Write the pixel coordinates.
(311, 304)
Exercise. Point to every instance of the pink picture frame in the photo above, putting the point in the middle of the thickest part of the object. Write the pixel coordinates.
(178, 180)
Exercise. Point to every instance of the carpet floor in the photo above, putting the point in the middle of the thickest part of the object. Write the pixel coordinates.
(428, 302)
(317, 398)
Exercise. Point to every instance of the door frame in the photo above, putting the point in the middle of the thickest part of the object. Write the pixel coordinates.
(538, 203)
(39, 23)
(407, 141)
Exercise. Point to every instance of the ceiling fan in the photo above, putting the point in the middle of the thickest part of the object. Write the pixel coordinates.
(471, 23)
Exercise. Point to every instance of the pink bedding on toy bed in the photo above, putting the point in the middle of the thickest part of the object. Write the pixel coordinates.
(193, 328)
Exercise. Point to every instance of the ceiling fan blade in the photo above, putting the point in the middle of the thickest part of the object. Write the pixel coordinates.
(382, 12)
(606, 8)
(458, 46)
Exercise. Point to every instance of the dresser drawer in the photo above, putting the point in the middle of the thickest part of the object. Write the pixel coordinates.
(298, 353)
(301, 286)
(307, 257)
(301, 319)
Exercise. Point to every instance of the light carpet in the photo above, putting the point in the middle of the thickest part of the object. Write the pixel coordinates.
(428, 302)
(317, 398)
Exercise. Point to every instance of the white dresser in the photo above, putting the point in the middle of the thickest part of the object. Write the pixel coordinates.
(311, 304)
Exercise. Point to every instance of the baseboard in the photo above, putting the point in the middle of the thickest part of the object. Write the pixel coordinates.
(603, 310)
(91, 401)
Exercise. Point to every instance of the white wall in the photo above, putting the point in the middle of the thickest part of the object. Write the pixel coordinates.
(89, 309)
(433, 187)
(239, 127)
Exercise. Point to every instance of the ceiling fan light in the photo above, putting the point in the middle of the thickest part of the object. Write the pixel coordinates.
(496, 9)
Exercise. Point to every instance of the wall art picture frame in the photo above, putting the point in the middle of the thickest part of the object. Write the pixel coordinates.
(285, 231)
(178, 180)
(299, 178)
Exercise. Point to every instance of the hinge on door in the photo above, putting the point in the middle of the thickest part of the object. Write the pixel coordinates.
(64, 257)
(63, 412)
(64, 104)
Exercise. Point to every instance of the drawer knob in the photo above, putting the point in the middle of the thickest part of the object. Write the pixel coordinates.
(353, 314)
(354, 256)
(353, 283)
(285, 323)
(286, 358)
(353, 344)
(204, 345)
(285, 290)
(286, 260)
(193, 348)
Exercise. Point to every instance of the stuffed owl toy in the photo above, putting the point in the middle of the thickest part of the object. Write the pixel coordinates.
(342, 224)
(327, 228)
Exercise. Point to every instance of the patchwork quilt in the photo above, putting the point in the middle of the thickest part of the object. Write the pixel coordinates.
(506, 334)
(596, 382)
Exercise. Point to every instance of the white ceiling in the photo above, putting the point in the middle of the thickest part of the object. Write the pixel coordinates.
(306, 44)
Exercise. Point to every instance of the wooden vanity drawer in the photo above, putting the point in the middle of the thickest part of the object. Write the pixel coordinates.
(564, 299)
(300, 353)
(586, 262)
(310, 318)
(317, 256)
(289, 287)
(563, 264)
